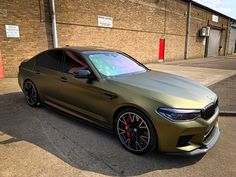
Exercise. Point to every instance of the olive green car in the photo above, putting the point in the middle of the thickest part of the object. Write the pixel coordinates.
(146, 109)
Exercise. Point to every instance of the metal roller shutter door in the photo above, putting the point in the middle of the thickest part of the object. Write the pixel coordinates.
(214, 42)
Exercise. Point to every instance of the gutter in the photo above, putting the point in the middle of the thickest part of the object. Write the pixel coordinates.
(209, 9)
(187, 30)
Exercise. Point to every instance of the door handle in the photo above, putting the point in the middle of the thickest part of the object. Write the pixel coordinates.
(63, 79)
(110, 95)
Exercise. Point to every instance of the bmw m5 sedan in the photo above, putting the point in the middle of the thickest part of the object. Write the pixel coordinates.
(146, 109)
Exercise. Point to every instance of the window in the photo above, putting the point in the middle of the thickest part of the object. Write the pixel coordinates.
(113, 63)
(73, 63)
(50, 59)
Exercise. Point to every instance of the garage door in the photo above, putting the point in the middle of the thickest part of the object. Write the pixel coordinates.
(214, 42)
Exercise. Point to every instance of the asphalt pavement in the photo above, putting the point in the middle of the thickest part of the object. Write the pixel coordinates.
(226, 91)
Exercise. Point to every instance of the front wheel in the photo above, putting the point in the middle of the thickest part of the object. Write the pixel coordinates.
(31, 94)
(135, 131)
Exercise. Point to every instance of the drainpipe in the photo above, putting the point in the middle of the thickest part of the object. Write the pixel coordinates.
(54, 25)
(187, 30)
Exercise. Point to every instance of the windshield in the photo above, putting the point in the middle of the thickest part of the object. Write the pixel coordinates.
(113, 63)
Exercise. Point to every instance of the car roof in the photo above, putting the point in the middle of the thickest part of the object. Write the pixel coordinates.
(85, 48)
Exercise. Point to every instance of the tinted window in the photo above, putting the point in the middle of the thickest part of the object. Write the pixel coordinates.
(113, 63)
(50, 59)
(73, 62)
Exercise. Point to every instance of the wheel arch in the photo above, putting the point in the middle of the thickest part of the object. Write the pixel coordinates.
(31, 80)
(37, 90)
(27, 79)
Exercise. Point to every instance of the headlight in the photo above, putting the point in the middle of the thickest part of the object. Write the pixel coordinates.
(179, 114)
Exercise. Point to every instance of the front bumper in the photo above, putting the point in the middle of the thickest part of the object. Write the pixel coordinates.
(198, 136)
(203, 149)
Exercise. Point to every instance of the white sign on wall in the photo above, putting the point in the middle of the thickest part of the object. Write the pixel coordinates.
(104, 21)
(12, 31)
(215, 18)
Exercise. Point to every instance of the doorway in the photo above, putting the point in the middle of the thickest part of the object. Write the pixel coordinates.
(214, 43)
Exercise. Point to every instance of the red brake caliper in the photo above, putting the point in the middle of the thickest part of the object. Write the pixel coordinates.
(127, 131)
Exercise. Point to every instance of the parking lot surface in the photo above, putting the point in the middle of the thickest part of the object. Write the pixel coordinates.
(206, 71)
(226, 91)
(45, 142)
(222, 62)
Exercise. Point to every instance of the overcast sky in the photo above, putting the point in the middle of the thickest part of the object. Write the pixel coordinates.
(227, 7)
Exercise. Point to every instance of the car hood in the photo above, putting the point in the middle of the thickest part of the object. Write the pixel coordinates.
(169, 89)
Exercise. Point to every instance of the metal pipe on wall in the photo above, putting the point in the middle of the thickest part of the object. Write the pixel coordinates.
(54, 24)
(187, 30)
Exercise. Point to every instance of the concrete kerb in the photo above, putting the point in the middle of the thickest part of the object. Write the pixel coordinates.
(227, 113)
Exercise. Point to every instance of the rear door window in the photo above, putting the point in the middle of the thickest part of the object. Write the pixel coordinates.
(50, 59)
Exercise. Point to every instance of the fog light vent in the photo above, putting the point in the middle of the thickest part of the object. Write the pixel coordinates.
(184, 140)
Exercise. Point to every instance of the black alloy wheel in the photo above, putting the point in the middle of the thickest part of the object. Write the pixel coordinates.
(31, 94)
(135, 131)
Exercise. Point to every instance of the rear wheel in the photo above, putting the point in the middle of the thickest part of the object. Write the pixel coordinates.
(31, 94)
(135, 131)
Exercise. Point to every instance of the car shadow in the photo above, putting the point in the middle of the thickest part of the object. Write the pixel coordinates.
(78, 143)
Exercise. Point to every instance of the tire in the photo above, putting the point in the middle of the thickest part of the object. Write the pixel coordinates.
(31, 94)
(135, 131)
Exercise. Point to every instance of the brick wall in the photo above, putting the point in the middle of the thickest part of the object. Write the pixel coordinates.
(33, 34)
(175, 29)
(138, 26)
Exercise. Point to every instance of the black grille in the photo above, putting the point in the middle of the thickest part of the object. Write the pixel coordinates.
(210, 110)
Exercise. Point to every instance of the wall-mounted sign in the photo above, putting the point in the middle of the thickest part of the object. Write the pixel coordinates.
(104, 21)
(215, 18)
(12, 31)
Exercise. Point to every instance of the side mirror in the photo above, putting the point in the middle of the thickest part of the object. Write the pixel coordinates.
(84, 73)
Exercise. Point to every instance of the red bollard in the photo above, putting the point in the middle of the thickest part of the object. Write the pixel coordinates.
(161, 50)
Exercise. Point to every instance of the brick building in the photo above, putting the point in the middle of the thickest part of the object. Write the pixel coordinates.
(137, 27)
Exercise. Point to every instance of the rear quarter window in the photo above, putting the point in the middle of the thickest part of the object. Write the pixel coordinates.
(28, 63)
(50, 59)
